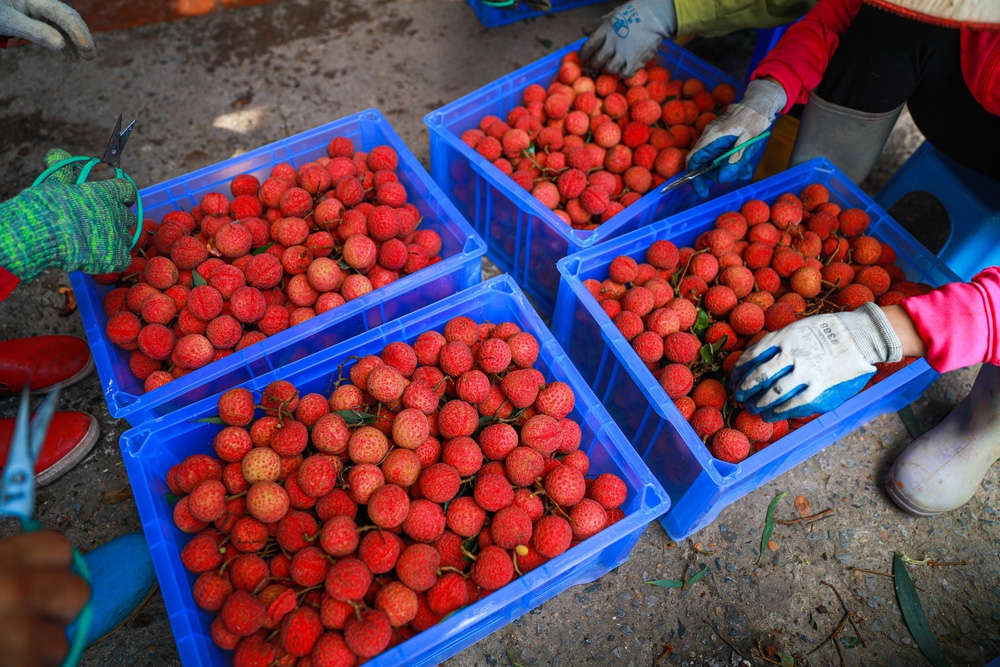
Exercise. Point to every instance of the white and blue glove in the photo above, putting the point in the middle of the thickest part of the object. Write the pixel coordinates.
(743, 121)
(815, 364)
(627, 38)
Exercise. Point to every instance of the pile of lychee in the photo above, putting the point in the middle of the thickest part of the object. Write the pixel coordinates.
(689, 313)
(231, 272)
(335, 527)
(589, 146)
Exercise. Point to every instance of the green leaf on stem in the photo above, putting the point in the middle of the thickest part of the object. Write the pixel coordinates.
(261, 250)
(768, 526)
(211, 420)
(356, 418)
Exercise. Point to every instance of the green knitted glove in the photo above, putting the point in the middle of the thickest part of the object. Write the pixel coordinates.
(84, 227)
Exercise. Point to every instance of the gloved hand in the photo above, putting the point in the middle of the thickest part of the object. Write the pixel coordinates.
(815, 364)
(86, 227)
(743, 121)
(48, 23)
(627, 38)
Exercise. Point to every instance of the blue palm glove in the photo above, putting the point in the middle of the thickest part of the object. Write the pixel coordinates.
(814, 365)
(743, 121)
(626, 38)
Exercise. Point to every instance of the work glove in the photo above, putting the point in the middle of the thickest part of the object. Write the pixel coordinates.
(815, 364)
(627, 38)
(741, 122)
(49, 23)
(86, 227)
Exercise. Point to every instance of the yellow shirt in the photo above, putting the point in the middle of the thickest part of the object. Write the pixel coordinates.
(711, 18)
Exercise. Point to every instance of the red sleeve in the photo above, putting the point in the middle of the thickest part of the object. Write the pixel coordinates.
(8, 281)
(960, 322)
(799, 59)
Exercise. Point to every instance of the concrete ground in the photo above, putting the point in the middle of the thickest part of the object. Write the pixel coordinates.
(207, 88)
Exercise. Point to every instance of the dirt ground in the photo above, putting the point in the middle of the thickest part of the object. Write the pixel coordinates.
(207, 88)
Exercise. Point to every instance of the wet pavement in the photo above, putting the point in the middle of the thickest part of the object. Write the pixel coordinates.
(206, 88)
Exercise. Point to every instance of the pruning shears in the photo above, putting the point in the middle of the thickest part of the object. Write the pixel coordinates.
(691, 175)
(112, 157)
(17, 493)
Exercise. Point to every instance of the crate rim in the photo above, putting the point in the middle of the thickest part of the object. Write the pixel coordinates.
(575, 237)
(125, 404)
(652, 500)
(721, 473)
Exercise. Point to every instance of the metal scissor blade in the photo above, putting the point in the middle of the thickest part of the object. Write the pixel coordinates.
(690, 176)
(113, 153)
(40, 422)
(124, 136)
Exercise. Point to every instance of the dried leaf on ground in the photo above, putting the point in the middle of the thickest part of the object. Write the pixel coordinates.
(70, 306)
(115, 496)
(913, 614)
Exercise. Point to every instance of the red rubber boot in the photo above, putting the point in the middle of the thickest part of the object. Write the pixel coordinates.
(70, 438)
(43, 362)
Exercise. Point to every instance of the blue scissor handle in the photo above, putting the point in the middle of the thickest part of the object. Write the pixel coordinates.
(92, 162)
(18, 497)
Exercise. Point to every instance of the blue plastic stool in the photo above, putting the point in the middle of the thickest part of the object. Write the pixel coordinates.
(764, 42)
(971, 199)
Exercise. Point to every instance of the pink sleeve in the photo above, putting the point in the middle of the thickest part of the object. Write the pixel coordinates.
(799, 59)
(959, 322)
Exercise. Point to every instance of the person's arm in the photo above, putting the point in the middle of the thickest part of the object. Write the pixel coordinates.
(39, 597)
(815, 364)
(720, 17)
(801, 56)
(960, 322)
(61, 224)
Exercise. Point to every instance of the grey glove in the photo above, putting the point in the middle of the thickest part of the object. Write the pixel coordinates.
(49, 23)
(741, 122)
(627, 38)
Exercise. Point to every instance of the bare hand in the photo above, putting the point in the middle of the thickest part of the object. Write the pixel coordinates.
(39, 597)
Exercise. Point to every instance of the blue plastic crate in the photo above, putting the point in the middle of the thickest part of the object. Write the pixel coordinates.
(151, 449)
(491, 17)
(525, 238)
(700, 486)
(461, 249)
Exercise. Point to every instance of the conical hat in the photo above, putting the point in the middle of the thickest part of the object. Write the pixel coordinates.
(976, 14)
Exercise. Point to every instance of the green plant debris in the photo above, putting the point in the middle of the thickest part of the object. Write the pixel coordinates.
(768, 526)
(913, 613)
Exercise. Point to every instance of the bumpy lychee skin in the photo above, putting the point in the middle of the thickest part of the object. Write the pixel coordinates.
(681, 347)
(552, 535)
(493, 568)
(417, 566)
(676, 380)
(609, 490)
(565, 486)
(747, 319)
(730, 445)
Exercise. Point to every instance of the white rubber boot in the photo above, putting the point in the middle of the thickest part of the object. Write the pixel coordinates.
(850, 139)
(941, 470)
